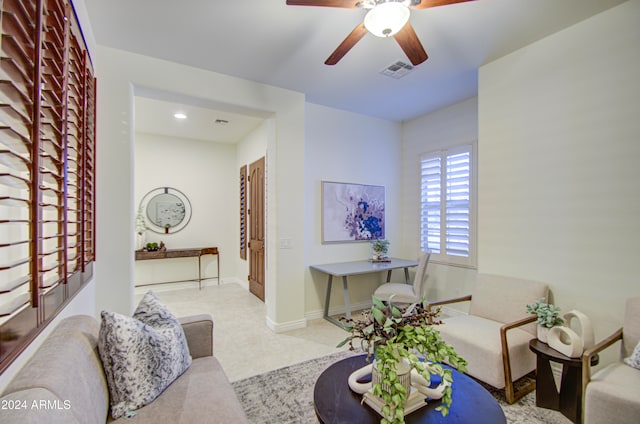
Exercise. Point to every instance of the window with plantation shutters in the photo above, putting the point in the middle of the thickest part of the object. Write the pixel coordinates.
(447, 215)
(47, 156)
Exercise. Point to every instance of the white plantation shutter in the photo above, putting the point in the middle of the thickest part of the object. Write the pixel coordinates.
(458, 204)
(447, 205)
(431, 203)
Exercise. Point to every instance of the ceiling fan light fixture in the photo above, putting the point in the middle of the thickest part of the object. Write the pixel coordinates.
(386, 19)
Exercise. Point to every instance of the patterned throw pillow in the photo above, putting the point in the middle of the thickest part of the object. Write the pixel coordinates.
(634, 359)
(141, 355)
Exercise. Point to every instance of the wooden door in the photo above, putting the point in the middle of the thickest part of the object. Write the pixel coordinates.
(256, 228)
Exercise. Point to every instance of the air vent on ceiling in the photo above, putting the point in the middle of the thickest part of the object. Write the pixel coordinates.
(397, 69)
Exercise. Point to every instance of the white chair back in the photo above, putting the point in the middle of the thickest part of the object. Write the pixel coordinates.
(421, 273)
(504, 299)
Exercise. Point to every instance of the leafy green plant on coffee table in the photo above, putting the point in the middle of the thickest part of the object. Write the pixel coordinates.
(548, 315)
(394, 334)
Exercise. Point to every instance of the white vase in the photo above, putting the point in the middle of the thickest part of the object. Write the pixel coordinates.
(140, 239)
(404, 375)
(542, 333)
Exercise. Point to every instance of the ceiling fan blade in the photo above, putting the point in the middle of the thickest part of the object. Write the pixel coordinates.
(326, 3)
(346, 45)
(411, 45)
(425, 4)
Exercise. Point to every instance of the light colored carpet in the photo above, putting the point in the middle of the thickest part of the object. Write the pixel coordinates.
(285, 396)
(243, 343)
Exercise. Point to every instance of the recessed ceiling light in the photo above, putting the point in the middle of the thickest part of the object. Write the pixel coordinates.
(179, 115)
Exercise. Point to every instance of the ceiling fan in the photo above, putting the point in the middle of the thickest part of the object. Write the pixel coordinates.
(385, 18)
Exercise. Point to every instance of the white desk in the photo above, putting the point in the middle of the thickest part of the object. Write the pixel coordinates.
(345, 269)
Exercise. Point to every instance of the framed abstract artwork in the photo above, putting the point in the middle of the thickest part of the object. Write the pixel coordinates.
(352, 212)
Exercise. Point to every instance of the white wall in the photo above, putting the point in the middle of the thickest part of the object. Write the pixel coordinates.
(449, 127)
(204, 171)
(558, 146)
(119, 74)
(346, 147)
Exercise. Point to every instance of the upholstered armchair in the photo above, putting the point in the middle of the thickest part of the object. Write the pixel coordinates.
(611, 394)
(494, 336)
(403, 292)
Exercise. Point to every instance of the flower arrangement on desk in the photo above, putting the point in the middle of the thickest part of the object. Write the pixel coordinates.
(380, 248)
(395, 335)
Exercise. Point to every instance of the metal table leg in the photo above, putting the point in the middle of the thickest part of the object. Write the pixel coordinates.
(345, 291)
(327, 300)
(199, 272)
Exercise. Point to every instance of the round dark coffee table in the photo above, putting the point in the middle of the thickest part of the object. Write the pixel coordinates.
(335, 403)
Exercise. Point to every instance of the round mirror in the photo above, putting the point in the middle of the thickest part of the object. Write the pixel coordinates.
(167, 210)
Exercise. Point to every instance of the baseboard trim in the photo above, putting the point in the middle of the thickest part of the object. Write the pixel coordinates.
(234, 280)
(337, 310)
(189, 285)
(286, 326)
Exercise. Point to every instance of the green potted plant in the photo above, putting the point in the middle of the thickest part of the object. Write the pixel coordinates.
(548, 317)
(380, 248)
(397, 336)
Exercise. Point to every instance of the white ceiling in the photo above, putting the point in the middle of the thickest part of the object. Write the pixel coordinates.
(154, 116)
(286, 46)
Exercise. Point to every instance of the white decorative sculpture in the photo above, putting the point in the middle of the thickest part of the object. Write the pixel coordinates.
(572, 341)
(586, 330)
(417, 381)
(360, 388)
(565, 340)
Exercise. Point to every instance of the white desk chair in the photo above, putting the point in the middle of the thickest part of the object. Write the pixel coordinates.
(406, 293)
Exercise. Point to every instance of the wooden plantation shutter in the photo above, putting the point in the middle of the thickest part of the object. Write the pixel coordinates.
(89, 169)
(47, 171)
(54, 159)
(18, 181)
(243, 212)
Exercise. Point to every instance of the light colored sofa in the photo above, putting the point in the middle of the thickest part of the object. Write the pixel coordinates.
(611, 394)
(64, 382)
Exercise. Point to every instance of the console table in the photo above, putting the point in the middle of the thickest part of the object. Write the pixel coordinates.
(143, 255)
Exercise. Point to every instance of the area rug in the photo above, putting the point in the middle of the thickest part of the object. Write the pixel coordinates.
(285, 396)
